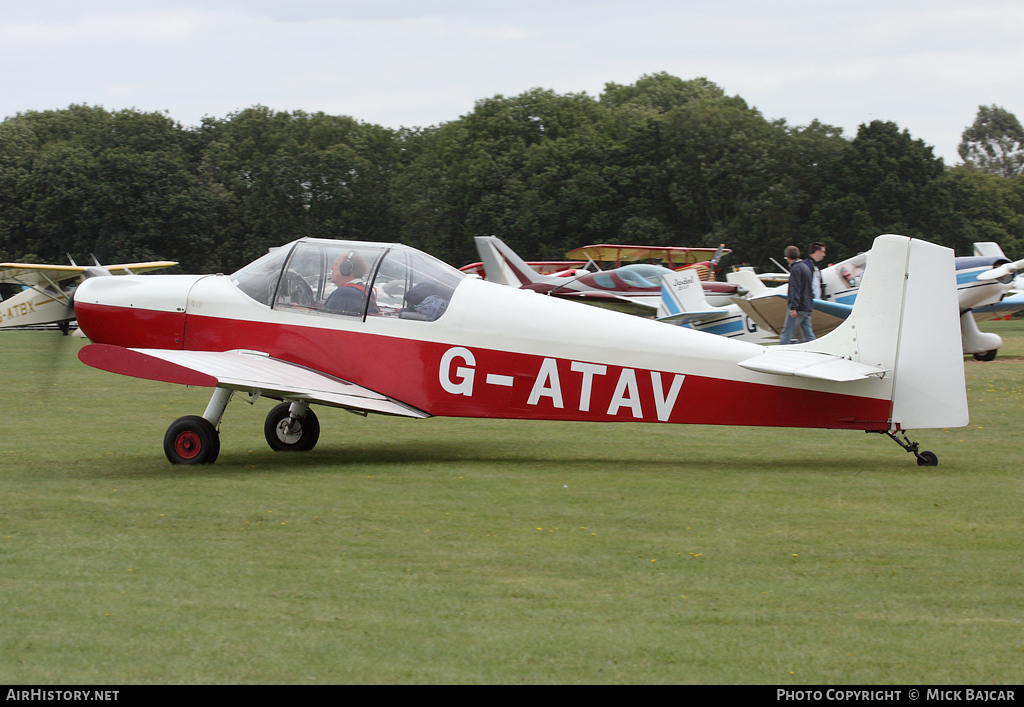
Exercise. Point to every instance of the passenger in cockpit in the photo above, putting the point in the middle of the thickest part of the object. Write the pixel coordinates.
(428, 299)
(348, 298)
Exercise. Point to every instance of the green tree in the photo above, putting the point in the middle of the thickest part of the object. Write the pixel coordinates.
(881, 184)
(120, 185)
(288, 175)
(994, 143)
(527, 168)
(971, 206)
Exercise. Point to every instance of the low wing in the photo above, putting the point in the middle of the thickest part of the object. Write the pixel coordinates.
(544, 267)
(770, 311)
(783, 361)
(646, 307)
(1006, 306)
(246, 371)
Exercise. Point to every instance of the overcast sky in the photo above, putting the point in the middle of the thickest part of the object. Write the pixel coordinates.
(925, 65)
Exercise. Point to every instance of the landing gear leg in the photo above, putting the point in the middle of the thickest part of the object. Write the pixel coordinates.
(195, 440)
(218, 402)
(923, 458)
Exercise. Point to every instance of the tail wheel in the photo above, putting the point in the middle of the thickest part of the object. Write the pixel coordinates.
(285, 433)
(927, 459)
(192, 440)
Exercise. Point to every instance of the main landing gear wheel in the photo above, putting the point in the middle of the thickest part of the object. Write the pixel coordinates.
(285, 433)
(192, 440)
(987, 356)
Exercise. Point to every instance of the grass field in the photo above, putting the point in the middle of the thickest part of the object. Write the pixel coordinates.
(492, 551)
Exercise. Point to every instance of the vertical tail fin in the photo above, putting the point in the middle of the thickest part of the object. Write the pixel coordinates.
(748, 280)
(907, 320)
(988, 248)
(682, 298)
(502, 265)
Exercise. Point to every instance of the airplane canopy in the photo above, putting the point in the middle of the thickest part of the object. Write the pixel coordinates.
(351, 278)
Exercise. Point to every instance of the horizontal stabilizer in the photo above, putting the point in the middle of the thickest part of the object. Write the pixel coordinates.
(810, 364)
(686, 317)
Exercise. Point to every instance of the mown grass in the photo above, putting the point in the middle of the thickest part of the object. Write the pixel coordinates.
(492, 551)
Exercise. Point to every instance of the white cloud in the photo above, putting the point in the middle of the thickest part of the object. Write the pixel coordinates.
(925, 65)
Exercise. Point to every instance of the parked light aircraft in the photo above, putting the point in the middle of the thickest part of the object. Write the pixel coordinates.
(703, 259)
(48, 290)
(384, 328)
(683, 302)
(983, 282)
(633, 289)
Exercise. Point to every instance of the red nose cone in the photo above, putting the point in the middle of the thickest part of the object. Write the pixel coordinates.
(130, 327)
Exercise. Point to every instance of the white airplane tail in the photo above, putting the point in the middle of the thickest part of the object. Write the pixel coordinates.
(906, 321)
(683, 300)
(502, 265)
(988, 248)
(748, 280)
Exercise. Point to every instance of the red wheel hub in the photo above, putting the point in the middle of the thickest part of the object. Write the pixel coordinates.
(188, 445)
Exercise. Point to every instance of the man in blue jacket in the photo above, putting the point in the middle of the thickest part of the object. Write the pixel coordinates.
(804, 288)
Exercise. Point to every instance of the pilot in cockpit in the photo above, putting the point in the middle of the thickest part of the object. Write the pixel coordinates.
(346, 270)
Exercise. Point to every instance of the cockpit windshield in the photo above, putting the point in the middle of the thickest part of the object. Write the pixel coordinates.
(351, 278)
(852, 271)
(642, 275)
(259, 278)
(330, 276)
(413, 285)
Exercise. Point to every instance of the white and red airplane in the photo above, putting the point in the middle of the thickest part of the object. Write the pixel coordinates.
(384, 328)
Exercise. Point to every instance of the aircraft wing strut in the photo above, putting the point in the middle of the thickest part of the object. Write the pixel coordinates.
(251, 372)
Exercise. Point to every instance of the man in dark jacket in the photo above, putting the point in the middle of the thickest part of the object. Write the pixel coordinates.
(804, 287)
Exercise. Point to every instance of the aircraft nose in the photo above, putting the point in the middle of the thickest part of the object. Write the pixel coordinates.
(134, 311)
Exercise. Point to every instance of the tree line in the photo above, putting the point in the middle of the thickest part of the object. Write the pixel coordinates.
(664, 161)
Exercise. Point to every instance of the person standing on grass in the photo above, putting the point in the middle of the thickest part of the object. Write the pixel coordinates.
(804, 288)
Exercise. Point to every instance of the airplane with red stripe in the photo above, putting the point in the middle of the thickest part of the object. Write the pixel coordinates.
(633, 289)
(426, 340)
